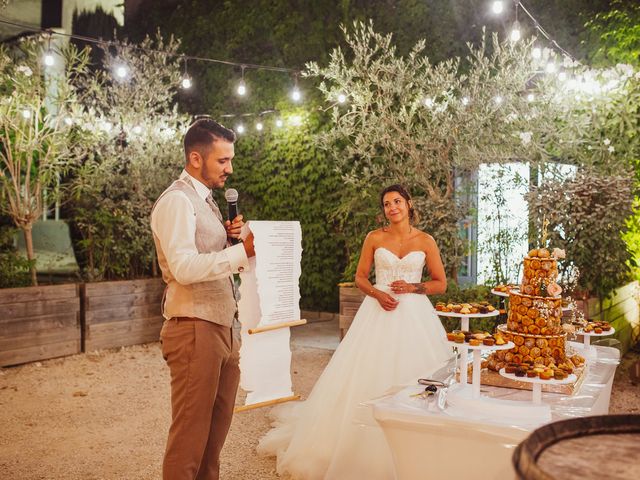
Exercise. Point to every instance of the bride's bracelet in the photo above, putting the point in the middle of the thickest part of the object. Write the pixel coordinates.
(420, 288)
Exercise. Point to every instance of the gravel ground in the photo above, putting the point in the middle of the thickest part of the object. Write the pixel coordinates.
(104, 415)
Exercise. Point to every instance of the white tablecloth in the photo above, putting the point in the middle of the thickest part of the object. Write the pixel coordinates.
(442, 438)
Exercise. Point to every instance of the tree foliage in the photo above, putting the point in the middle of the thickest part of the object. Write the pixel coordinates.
(36, 141)
(587, 215)
(405, 119)
(283, 175)
(283, 34)
(419, 124)
(133, 154)
(288, 34)
(614, 35)
(427, 125)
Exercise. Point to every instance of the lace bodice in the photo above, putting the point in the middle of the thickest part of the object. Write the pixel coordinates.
(390, 268)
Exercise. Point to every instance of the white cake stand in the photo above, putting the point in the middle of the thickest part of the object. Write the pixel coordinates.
(477, 357)
(499, 293)
(588, 349)
(538, 382)
(464, 317)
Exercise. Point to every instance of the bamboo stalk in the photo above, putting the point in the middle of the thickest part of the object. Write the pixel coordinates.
(267, 328)
(275, 401)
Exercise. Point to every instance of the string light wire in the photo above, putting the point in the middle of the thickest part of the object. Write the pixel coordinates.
(99, 41)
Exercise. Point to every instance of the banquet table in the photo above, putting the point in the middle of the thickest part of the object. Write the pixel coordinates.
(441, 437)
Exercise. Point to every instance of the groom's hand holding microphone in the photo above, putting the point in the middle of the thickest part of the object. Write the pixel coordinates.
(235, 223)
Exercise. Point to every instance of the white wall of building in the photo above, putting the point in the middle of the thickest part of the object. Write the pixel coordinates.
(114, 7)
(28, 12)
(20, 11)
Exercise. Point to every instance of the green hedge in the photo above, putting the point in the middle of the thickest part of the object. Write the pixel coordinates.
(281, 175)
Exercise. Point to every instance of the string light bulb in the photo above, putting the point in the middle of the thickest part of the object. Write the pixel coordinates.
(121, 72)
(465, 101)
(515, 34)
(531, 97)
(536, 53)
(497, 99)
(296, 95)
(551, 67)
(259, 126)
(342, 98)
(186, 79)
(49, 59)
(242, 87)
(26, 113)
(497, 7)
(279, 123)
(240, 128)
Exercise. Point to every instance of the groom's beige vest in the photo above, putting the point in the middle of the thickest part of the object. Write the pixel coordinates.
(213, 301)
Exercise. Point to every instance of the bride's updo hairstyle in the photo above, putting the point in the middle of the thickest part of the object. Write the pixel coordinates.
(413, 215)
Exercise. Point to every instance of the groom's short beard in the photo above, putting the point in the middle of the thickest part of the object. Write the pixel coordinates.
(212, 182)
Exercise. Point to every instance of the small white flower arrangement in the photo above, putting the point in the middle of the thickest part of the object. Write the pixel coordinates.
(558, 253)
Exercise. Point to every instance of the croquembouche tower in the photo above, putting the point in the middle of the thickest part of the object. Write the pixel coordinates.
(534, 317)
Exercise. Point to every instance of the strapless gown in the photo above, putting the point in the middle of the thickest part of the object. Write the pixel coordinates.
(332, 435)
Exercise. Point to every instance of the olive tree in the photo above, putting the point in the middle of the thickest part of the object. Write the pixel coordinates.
(430, 126)
(37, 140)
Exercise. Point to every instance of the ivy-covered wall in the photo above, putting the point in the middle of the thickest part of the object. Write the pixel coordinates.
(281, 175)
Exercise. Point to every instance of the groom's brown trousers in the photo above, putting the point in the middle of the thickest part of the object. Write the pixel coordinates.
(203, 361)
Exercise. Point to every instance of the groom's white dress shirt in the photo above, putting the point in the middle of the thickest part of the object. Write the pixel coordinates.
(173, 222)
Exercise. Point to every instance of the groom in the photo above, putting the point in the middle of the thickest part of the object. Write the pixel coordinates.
(199, 306)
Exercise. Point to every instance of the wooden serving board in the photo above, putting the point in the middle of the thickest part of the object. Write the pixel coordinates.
(494, 379)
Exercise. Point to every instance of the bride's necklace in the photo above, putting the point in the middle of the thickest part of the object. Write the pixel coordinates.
(402, 240)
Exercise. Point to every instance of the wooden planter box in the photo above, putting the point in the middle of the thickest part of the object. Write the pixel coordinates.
(37, 323)
(350, 299)
(122, 313)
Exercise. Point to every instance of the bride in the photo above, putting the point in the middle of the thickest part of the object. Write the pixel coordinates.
(395, 338)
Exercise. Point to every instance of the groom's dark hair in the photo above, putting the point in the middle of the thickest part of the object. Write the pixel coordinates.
(413, 215)
(203, 132)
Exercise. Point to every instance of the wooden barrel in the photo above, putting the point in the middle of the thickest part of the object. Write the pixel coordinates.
(603, 447)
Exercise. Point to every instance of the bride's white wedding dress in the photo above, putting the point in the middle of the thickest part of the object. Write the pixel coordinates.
(332, 435)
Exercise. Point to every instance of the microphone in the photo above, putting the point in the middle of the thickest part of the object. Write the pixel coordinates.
(231, 196)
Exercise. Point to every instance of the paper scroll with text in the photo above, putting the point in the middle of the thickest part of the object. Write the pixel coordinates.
(268, 305)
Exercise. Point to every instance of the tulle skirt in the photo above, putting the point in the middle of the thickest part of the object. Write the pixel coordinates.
(332, 435)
